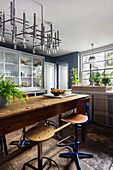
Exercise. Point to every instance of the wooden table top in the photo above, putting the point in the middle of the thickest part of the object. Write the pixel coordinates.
(34, 103)
(17, 115)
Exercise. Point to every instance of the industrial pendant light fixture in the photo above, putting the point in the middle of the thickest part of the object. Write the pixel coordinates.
(47, 40)
(92, 57)
(91, 62)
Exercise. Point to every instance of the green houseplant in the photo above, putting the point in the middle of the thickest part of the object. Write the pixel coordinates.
(106, 78)
(8, 90)
(74, 76)
(95, 77)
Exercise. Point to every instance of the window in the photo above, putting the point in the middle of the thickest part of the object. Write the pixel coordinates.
(103, 61)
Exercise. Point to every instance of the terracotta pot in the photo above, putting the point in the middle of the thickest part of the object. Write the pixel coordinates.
(74, 84)
(97, 84)
(3, 101)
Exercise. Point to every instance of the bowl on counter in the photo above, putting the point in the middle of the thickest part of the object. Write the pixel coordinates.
(57, 92)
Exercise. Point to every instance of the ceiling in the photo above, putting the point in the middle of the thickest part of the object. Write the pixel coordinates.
(80, 22)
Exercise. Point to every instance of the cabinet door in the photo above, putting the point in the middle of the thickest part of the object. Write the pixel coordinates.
(37, 72)
(1, 64)
(49, 76)
(26, 70)
(103, 109)
(63, 76)
(12, 67)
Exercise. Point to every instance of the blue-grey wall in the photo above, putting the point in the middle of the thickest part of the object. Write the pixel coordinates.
(71, 59)
(50, 59)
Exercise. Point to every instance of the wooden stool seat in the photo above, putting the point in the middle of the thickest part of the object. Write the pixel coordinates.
(75, 118)
(40, 133)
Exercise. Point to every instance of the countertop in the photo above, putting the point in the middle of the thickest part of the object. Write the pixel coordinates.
(31, 89)
(110, 92)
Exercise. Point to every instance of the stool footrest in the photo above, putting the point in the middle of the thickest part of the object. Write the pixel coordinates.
(69, 144)
(84, 155)
(29, 165)
(43, 166)
(20, 143)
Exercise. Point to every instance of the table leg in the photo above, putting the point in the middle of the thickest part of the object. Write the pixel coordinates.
(1, 143)
(5, 145)
(40, 156)
(60, 122)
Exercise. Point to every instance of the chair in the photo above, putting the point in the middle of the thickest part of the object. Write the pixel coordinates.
(40, 134)
(78, 118)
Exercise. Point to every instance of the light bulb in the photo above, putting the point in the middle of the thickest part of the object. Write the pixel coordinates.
(3, 39)
(58, 48)
(15, 46)
(25, 46)
(43, 47)
(33, 50)
(51, 46)
(0, 38)
(48, 51)
(24, 41)
(55, 50)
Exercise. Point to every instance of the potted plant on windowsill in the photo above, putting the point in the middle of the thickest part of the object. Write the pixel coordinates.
(74, 76)
(95, 78)
(8, 91)
(106, 78)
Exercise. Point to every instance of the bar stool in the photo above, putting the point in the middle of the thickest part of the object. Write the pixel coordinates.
(40, 134)
(78, 118)
(83, 128)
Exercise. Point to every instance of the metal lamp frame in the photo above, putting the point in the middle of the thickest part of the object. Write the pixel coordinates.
(48, 39)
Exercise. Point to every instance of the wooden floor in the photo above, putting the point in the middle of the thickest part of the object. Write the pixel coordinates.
(99, 141)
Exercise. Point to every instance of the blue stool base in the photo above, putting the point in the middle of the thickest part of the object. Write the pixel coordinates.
(59, 144)
(22, 141)
(75, 152)
(76, 155)
(86, 155)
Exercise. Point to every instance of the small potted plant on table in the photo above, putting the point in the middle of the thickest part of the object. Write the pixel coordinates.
(8, 91)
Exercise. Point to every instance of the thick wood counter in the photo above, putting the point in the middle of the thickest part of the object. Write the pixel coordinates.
(18, 115)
